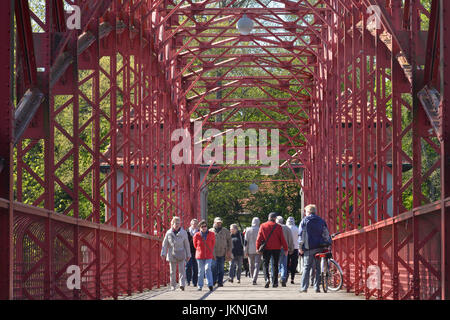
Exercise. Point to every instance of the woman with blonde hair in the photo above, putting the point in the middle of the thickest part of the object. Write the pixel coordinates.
(177, 251)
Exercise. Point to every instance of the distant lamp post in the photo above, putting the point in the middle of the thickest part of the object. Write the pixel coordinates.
(245, 25)
(253, 188)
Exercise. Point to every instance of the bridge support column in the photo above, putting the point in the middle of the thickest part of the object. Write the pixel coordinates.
(445, 148)
(6, 160)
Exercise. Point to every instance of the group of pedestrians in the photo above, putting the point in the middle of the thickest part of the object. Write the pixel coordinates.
(201, 253)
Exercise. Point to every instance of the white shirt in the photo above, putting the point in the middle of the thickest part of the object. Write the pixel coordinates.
(192, 231)
(295, 234)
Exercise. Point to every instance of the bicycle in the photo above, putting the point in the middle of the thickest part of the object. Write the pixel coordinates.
(331, 276)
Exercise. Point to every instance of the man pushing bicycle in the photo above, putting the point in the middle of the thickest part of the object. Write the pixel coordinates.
(314, 235)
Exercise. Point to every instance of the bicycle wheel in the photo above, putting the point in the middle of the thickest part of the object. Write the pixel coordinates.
(324, 274)
(335, 277)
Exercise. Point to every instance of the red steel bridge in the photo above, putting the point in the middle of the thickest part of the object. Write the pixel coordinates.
(358, 89)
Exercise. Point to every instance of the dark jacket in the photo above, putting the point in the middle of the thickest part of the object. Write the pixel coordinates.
(276, 240)
(237, 241)
(191, 244)
(313, 233)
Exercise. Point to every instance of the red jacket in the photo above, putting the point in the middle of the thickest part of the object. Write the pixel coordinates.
(204, 249)
(276, 240)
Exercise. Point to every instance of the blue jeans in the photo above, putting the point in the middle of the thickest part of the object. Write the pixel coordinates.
(309, 262)
(192, 271)
(204, 267)
(218, 269)
(283, 266)
(236, 263)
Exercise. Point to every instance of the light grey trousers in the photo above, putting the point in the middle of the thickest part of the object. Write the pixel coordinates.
(181, 270)
(254, 262)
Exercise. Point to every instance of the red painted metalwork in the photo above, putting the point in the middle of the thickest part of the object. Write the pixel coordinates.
(444, 14)
(356, 107)
(6, 136)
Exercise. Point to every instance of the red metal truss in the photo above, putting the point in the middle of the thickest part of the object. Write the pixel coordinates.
(88, 115)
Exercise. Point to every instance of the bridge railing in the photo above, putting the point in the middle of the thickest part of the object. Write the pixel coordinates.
(397, 258)
(53, 251)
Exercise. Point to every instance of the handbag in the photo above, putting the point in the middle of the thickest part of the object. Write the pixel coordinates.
(179, 255)
(263, 244)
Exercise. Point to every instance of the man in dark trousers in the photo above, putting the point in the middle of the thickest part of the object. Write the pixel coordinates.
(191, 265)
(313, 236)
(271, 234)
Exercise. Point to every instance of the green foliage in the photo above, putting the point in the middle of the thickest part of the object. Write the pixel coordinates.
(230, 200)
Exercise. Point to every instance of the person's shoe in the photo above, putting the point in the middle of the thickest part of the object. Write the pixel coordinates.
(231, 280)
(189, 284)
(199, 289)
(275, 285)
(211, 288)
(220, 285)
(267, 284)
(239, 281)
(182, 288)
(172, 288)
(317, 290)
(303, 291)
(283, 283)
(254, 283)
(292, 281)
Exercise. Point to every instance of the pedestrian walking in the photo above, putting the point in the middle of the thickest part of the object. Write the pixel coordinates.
(270, 240)
(176, 250)
(314, 235)
(204, 242)
(222, 250)
(251, 234)
(293, 258)
(245, 261)
(237, 253)
(191, 265)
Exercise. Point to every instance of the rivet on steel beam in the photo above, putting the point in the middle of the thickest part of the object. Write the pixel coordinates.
(2, 164)
(104, 29)
(26, 110)
(59, 67)
(84, 41)
(121, 26)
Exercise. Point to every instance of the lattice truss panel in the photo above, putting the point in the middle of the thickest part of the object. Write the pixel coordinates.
(260, 81)
(386, 150)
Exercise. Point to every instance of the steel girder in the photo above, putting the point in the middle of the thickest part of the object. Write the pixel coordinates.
(101, 131)
(379, 73)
